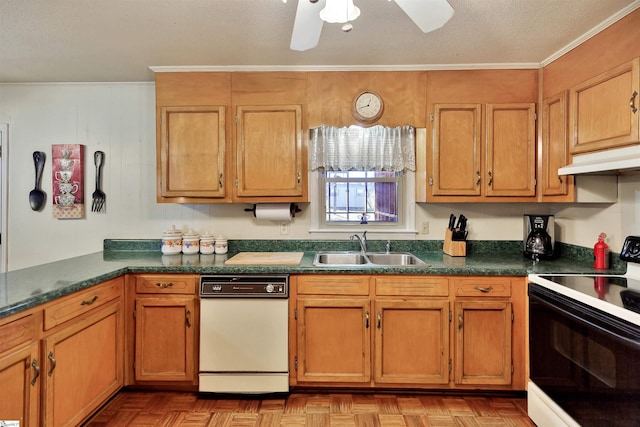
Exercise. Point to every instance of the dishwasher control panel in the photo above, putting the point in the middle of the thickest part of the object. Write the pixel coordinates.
(244, 286)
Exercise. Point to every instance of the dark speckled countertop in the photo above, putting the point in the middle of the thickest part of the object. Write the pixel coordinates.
(29, 287)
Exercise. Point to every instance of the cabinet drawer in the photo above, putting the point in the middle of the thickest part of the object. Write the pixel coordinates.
(81, 302)
(166, 283)
(483, 287)
(419, 286)
(17, 332)
(333, 285)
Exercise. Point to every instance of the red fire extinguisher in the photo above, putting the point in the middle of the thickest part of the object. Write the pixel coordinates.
(601, 252)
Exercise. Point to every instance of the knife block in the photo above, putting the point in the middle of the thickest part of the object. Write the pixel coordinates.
(454, 247)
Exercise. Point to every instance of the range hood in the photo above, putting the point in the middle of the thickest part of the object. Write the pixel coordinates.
(609, 162)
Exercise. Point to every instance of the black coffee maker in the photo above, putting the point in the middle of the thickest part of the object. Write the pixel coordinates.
(539, 237)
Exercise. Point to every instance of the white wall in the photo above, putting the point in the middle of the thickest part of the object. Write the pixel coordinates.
(118, 118)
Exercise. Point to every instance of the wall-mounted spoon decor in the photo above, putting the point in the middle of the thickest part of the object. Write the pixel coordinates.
(37, 197)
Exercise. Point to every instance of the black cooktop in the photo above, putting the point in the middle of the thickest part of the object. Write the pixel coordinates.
(620, 291)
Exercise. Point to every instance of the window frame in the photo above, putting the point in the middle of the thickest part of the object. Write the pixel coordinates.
(406, 211)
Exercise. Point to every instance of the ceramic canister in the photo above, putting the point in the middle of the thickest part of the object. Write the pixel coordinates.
(207, 244)
(221, 245)
(172, 241)
(190, 242)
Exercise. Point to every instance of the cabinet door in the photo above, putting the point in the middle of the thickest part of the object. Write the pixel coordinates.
(604, 110)
(165, 338)
(19, 376)
(483, 342)
(555, 146)
(510, 159)
(334, 339)
(269, 157)
(411, 341)
(83, 366)
(192, 152)
(456, 150)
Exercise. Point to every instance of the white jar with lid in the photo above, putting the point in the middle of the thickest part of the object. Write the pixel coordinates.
(190, 242)
(172, 241)
(221, 245)
(207, 244)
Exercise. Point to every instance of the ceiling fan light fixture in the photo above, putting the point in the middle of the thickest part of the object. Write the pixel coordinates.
(339, 11)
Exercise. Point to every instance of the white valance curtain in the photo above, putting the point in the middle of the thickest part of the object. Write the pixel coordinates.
(376, 148)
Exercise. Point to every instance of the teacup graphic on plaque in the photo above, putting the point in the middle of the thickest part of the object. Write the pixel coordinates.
(68, 180)
(68, 187)
(65, 200)
(63, 175)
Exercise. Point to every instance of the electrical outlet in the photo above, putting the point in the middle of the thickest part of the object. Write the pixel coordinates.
(425, 228)
(284, 228)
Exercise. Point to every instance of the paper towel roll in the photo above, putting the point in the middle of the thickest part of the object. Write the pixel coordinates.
(274, 211)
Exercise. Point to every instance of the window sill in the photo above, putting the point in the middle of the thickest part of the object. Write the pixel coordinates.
(372, 233)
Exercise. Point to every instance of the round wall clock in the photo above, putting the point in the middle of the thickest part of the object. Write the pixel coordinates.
(367, 107)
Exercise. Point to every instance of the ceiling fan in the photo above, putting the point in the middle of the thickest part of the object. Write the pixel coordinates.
(428, 15)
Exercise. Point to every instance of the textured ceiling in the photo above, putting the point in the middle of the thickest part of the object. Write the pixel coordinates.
(118, 40)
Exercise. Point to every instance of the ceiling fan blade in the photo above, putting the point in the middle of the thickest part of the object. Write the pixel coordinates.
(428, 15)
(307, 26)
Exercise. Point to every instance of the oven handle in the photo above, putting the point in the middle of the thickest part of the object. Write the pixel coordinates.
(563, 306)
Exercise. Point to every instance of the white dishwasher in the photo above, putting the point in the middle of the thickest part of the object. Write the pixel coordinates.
(244, 334)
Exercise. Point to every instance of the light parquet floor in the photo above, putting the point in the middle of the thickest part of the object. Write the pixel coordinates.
(137, 408)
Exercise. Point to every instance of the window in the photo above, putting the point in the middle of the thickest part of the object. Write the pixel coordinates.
(362, 196)
(361, 177)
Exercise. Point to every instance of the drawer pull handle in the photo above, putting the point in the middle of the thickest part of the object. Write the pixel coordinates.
(89, 302)
(164, 285)
(220, 183)
(36, 371)
(53, 363)
(632, 102)
(459, 321)
(188, 318)
(366, 321)
(490, 183)
(379, 320)
(479, 178)
(484, 290)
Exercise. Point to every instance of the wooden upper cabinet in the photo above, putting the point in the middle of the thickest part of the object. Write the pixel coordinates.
(604, 110)
(511, 162)
(555, 147)
(458, 173)
(456, 150)
(269, 154)
(192, 149)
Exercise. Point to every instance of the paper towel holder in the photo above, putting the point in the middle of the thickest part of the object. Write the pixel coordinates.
(293, 208)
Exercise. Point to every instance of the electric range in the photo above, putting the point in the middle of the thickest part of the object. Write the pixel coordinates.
(584, 346)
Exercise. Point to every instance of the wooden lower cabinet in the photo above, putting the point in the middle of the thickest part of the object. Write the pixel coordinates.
(19, 371)
(334, 339)
(82, 366)
(411, 341)
(409, 332)
(165, 337)
(163, 334)
(483, 343)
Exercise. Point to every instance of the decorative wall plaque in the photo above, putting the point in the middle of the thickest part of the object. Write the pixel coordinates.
(67, 167)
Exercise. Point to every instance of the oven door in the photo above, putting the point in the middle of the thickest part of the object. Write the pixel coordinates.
(585, 360)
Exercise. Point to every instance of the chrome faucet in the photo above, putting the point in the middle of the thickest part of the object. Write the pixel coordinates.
(362, 240)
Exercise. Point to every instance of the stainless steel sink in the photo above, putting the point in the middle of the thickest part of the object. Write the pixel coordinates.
(396, 259)
(339, 258)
